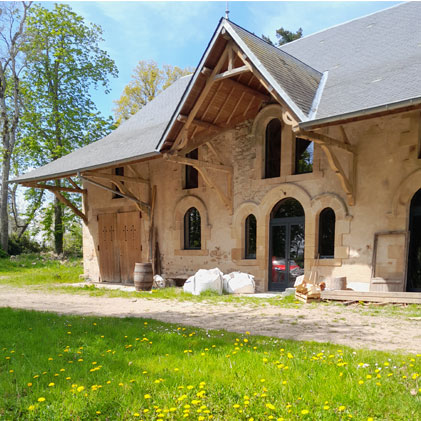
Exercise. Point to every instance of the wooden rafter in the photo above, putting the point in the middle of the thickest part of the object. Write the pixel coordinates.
(200, 123)
(202, 97)
(198, 141)
(247, 89)
(223, 105)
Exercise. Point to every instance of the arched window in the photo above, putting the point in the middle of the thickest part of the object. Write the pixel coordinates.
(192, 230)
(327, 221)
(273, 149)
(250, 237)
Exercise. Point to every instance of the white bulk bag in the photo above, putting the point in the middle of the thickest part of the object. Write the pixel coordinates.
(239, 283)
(203, 280)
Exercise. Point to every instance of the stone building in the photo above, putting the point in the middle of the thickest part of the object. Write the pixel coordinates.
(271, 161)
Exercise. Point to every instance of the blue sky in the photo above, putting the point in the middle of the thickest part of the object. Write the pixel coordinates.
(177, 33)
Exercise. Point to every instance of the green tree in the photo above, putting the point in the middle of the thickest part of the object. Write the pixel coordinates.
(148, 80)
(64, 63)
(12, 36)
(284, 36)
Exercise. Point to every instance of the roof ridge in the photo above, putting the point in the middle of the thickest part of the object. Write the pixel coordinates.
(276, 48)
(345, 23)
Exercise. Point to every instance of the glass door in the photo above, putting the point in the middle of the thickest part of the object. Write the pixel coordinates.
(286, 252)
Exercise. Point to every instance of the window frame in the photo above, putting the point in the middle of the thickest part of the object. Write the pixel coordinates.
(268, 151)
(187, 233)
(296, 160)
(247, 254)
(322, 227)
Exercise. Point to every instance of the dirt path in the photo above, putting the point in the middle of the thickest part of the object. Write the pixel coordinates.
(338, 325)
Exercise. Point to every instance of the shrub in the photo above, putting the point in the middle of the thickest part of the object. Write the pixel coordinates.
(22, 245)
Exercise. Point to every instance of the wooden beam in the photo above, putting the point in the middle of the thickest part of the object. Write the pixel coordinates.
(151, 225)
(143, 206)
(73, 183)
(202, 96)
(196, 163)
(206, 71)
(199, 141)
(247, 89)
(133, 169)
(215, 152)
(231, 73)
(54, 188)
(323, 140)
(69, 204)
(337, 168)
(121, 178)
(200, 123)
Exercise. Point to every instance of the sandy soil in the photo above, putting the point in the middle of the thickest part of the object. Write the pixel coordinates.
(339, 325)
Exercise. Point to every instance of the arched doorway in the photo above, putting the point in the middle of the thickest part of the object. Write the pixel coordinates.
(414, 253)
(286, 244)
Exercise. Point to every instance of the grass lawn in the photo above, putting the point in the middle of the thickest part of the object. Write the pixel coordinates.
(38, 270)
(73, 368)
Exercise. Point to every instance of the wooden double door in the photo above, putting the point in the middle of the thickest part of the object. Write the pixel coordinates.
(119, 246)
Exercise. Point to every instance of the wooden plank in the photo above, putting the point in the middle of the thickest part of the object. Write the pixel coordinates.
(373, 296)
(129, 244)
(108, 250)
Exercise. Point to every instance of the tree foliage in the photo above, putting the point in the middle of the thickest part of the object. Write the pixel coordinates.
(284, 36)
(64, 63)
(148, 80)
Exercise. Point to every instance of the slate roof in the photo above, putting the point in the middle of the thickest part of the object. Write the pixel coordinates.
(135, 138)
(297, 79)
(365, 63)
(371, 61)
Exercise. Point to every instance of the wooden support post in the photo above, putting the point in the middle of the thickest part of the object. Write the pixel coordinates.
(151, 226)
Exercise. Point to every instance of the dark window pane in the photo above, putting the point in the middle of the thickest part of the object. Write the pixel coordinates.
(287, 208)
(192, 176)
(251, 226)
(303, 156)
(327, 221)
(192, 230)
(273, 149)
(118, 171)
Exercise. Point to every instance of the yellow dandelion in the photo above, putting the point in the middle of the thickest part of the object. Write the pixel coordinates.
(341, 408)
(304, 412)
(270, 406)
(29, 384)
(41, 399)
(31, 407)
(147, 396)
(51, 384)
(326, 407)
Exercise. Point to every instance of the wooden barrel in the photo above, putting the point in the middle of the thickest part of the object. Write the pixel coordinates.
(143, 276)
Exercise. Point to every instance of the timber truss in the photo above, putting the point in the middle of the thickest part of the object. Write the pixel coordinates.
(196, 131)
(57, 190)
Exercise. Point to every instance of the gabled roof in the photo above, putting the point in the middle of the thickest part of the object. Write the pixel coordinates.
(372, 61)
(295, 79)
(135, 138)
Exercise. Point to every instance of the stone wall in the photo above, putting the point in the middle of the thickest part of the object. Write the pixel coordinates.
(386, 174)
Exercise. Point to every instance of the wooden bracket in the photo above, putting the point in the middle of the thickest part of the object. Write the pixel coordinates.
(124, 192)
(116, 178)
(70, 205)
(203, 168)
(337, 168)
(323, 140)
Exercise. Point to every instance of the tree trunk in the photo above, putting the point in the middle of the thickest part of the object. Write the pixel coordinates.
(58, 224)
(4, 214)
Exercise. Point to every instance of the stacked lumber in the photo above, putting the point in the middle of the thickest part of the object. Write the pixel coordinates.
(307, 292)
